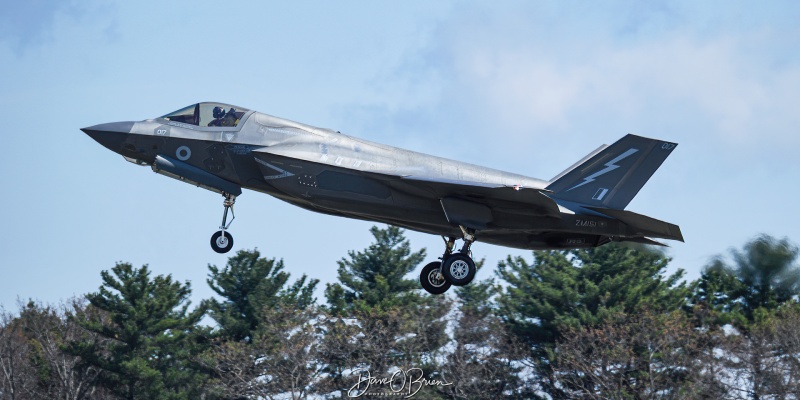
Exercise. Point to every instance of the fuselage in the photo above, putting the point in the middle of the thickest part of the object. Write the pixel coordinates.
(325, 171)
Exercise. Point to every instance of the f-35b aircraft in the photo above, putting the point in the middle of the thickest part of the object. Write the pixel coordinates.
(225, 148)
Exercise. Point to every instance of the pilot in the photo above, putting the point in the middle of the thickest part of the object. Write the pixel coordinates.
(219, 116)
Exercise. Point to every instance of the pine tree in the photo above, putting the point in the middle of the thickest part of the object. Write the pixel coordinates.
(756, 294)
(265, 343)
(394, 325)
(476, 298)
(376, 277)
(582, 287)
(569, 289)
(146, 335)
(763, 276)
(248, 284)
(482, 364)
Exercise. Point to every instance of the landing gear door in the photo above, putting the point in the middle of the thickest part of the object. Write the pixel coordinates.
(466, 213)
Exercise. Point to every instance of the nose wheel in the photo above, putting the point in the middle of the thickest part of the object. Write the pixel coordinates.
(221, 240)
(456, 268)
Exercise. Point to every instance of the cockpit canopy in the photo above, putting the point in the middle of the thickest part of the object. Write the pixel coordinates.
(208, 114)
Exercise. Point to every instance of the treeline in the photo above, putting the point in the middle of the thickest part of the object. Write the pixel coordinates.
(603, 323)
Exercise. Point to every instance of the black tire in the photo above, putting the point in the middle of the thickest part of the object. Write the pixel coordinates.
(428, 279)
(221, 244)
(459, 269)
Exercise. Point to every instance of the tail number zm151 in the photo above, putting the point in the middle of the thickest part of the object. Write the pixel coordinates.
(585, 223)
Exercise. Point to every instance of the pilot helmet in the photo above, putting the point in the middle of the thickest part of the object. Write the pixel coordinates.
(219, 112)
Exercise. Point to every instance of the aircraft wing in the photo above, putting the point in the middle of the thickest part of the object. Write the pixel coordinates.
(487, 193)
(474, 204)
(467, 203)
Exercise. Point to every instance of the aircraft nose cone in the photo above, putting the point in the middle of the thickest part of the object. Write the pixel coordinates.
(117, 127)
(110, 135)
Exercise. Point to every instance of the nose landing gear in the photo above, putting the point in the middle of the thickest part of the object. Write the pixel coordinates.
(221, 240)
(455, 268)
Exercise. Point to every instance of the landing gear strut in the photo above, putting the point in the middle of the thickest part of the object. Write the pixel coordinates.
(459, 268)
(455, 268)
(221, 240)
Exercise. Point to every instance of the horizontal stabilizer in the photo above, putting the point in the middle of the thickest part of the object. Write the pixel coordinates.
(642, 224)
(645, 240)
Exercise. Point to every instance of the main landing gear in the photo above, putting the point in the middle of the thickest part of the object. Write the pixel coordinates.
(221, 240)
(455, 268)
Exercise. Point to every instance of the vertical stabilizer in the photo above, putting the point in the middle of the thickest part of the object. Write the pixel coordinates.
(612, 177)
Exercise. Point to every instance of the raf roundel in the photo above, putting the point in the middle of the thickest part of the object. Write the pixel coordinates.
(183, 153)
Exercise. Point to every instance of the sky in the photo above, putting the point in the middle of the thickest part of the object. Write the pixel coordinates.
(522, 86)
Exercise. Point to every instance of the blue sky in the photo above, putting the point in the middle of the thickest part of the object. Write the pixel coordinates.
(528, 87)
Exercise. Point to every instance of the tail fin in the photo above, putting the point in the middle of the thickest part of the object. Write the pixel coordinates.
(614, 175)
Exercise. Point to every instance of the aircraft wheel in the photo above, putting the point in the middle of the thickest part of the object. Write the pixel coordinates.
(221, 243)
(432, 280)
(459, 269)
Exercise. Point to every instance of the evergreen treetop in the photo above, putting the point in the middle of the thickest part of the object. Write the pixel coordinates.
(376, 277)
(763, 276)
(147, 329)
(583, 287)
(248, 284)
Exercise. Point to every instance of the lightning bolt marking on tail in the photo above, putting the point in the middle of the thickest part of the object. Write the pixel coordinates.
(610, 166)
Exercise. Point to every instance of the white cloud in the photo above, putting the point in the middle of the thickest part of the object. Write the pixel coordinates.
(531, 72)
(527, 84)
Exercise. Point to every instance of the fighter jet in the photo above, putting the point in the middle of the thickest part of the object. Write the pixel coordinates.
(224, 148)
